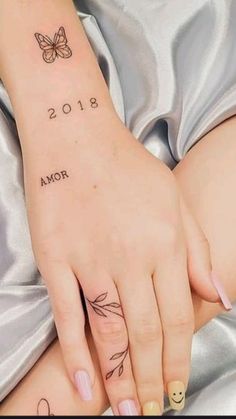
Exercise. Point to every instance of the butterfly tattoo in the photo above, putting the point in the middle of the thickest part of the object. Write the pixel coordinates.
(55, 48)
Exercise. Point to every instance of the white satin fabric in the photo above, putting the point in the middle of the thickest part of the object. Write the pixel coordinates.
(171, 69)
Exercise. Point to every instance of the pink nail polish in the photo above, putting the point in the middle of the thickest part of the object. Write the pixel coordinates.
(127, 408)
(221, 291)
(83, 385)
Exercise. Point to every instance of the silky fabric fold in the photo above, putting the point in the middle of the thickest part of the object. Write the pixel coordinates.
(170, 68)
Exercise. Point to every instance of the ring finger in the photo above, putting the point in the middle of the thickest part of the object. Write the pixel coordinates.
(176, 311)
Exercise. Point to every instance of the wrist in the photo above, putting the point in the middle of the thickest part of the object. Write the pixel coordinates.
(90, 138)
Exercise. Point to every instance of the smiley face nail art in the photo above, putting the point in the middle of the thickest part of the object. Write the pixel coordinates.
(176, 393)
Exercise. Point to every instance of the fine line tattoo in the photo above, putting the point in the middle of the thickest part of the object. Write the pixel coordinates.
(120, 366)
(103, 309)
(55, 48)
(67, 108)
(43, 408)
(54, 177)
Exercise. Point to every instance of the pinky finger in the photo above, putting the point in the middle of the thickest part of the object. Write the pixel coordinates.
(69, 317)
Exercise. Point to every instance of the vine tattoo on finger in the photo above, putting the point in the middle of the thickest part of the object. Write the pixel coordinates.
(120, 366)
(103, 309)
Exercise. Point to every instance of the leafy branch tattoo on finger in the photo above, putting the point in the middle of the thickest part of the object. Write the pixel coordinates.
(120, 366)
(102, 309)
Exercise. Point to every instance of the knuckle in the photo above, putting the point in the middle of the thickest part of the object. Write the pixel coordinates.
(179, 365)
(49, 263)
(146, 333)
(181, 324)
(150, 387)
(179, 362)
(68, 343)
(168, 237)
(118, 385)
(203, 241)
(48, 252)
(63, 311)
(110, 332)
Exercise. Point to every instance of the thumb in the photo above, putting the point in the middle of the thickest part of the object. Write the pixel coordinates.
(202, 279)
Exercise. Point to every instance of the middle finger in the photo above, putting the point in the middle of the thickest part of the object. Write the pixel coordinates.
(145, 337)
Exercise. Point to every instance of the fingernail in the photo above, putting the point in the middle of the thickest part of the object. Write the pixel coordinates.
(151, 409)
(221, 291)
(83, 385)
(176, 393)
(127, 408)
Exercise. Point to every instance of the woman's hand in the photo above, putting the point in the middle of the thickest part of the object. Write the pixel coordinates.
(106, 216)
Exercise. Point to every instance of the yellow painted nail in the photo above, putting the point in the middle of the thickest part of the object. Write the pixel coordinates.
(151, 409)
(176, 393)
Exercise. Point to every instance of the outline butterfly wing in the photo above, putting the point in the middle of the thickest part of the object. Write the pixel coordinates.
(46, 44)
(49, 55)
(60, 37)
(60, 43)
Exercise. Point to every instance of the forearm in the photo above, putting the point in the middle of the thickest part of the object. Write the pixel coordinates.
(49, 97)
(56, 105)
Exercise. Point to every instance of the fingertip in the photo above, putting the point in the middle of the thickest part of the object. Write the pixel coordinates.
(204, 288)
(83, 385)
(210, 294)
(220, 289)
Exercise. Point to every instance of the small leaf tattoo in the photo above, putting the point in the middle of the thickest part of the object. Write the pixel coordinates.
(103, 309)
(99, 312)
(121, 369)
(109, 374)
(116, 356)
(101, 297)
(114, 305)
(120, 365)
